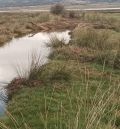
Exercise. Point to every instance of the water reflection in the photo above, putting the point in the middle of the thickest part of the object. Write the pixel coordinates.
(16, 53)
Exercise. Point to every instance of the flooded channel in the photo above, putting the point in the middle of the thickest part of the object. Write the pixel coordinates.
(17, 53)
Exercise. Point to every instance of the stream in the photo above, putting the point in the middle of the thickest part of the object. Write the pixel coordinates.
(16, 55)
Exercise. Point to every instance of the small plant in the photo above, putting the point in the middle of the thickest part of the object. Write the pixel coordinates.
(3, 39)
(60, 74)
(57, 9)
(63, 53)
(55, 42)
(55, 72)
(117, 60)
(34, 69)
(117, 121)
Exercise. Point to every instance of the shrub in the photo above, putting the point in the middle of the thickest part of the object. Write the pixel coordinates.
(55, 42)
(72, 14)
(57, 9)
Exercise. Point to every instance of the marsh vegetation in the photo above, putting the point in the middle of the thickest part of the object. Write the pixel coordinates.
(79, 88)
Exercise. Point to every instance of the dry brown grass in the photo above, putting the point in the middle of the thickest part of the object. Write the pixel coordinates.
(103, 20)
(17, 24)
(20, 24)
(104, 44)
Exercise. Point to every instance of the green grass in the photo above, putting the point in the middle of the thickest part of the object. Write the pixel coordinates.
(103, 20)
(103, 44)
(87, 95)
(54, 108)
(72, 91)
(55, 42)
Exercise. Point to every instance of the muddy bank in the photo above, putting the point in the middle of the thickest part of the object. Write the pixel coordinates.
(19, 83)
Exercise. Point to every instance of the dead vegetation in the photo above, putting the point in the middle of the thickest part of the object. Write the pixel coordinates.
(73, 83)
(20, 24)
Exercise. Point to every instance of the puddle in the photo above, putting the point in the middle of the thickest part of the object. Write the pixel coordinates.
(17, 54)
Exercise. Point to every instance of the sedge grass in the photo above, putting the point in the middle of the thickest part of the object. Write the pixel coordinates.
(90, 100)
(73, 107)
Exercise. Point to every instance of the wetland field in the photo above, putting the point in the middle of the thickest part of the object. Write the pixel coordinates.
(60, 71)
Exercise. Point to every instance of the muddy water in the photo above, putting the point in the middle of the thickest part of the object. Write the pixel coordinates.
(17, 55)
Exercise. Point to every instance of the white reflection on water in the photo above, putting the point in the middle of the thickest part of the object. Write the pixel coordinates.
(17, 53)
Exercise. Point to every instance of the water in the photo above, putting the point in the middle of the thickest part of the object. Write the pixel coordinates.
(45, 10)
(17, 54)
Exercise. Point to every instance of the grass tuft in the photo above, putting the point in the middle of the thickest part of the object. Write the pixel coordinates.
(55, 42)
(100, 42)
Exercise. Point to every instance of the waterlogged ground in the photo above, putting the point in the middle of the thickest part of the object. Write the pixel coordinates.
(79, 87)
(17, 55)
